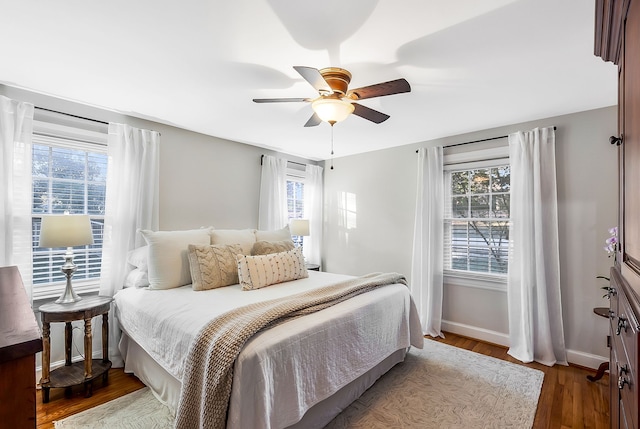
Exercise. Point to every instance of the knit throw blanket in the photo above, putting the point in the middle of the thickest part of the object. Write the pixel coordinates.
(208, 373)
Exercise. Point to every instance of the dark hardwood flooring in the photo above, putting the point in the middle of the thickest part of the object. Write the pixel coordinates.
(568, 399)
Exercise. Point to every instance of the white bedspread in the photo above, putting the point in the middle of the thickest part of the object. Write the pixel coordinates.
(289, 367)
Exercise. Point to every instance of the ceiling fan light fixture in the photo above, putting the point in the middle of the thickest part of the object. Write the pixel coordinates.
(332, 110)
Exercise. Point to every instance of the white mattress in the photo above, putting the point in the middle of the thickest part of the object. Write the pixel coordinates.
(285, 370)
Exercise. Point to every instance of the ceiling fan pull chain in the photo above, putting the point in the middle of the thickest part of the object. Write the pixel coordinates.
(332, 146)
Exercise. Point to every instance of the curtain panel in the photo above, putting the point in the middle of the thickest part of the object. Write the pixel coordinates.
(16, 131)
(272, 210)
(313, 197)
(131, 204)
(534, 301)
(427, 260)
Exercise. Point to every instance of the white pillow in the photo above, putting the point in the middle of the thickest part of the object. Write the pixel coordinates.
(244, 237)
(139, 258)
(255, 272)
(136, 278)
(168, 256)
(275, 235)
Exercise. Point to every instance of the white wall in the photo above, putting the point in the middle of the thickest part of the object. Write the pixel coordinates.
(369, 217)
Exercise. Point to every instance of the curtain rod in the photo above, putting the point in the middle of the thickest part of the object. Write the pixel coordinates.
(74, 116)
(478, 141)
(293, 162)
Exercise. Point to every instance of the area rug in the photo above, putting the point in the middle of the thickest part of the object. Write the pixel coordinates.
(137, 410)
(437, 387)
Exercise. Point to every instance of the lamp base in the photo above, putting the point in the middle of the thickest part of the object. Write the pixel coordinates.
(68, 296)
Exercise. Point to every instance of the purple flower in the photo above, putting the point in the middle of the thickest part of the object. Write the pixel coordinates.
(612, 242)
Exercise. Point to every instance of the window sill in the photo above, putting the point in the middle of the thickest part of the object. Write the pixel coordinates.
(476, 280)
(45, 294)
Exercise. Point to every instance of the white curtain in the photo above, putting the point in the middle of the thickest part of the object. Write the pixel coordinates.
(427, 263)
(131, 204)
(16, 129)
(535, 309)
(313, 196)
(272, 211)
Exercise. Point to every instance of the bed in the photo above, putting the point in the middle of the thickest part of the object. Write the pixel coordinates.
(299, 373)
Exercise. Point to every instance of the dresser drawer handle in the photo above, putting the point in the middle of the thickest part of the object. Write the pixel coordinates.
(622, 324)
(622, 381)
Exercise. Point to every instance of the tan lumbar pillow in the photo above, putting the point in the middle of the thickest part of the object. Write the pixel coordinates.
(213, 266)
(266, 247)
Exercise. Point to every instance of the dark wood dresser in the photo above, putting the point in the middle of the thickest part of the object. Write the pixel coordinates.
(617, 39)
(20, 340)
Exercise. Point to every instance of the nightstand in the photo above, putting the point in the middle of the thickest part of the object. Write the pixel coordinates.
(312, 267)
(72, 374)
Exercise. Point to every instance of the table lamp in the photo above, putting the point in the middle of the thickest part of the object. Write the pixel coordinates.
(299, 227)
(66, 231)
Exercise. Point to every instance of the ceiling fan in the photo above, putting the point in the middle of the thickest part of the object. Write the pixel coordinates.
(335, 101)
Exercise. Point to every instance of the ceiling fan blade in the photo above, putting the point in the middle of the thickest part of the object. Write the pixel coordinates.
(397, 86)
(313, 121)
(280, 100)
(369, 114)
(314, 77)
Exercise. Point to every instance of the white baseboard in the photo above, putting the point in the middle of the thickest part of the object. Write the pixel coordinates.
(575, 357)
(584, 359)
(493, 337)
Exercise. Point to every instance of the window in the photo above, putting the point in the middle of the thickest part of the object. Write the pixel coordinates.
(477, 218)
(68, 176)
(295, 198)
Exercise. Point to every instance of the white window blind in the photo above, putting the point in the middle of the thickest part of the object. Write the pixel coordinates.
(477, 216)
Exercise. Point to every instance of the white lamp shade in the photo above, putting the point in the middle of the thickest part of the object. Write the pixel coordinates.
(332, 109)
(65, 231)
(299, 227)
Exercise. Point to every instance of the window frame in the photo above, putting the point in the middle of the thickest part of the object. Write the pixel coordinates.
(470, 160)
(55, 130)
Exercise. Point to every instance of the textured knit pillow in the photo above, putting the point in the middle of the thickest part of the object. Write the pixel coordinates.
(213, 266)
(255, 272)
(266, 247)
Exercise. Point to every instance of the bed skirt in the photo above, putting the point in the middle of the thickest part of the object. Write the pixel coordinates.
(166, 387)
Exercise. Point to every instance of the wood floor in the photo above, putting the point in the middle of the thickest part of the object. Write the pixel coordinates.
(568, 399)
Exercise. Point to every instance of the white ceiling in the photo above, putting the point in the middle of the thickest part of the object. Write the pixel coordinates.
(197, 64)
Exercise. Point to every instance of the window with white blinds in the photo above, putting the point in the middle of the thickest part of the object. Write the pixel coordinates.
(477, 216)
(295, 197)
(69, 175)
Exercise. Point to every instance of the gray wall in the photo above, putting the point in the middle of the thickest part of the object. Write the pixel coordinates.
(369, 212)
(369, 218)
(204, 181)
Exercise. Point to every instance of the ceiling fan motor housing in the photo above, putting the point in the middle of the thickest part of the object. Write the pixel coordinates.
(337, 78)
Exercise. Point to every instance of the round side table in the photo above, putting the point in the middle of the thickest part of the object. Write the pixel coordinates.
(72, 374)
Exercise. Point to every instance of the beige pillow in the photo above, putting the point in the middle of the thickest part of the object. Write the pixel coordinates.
(275, 235)
(255, 272)
(266, 247)
(213, 266)
(244, 237)
(168, 260)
